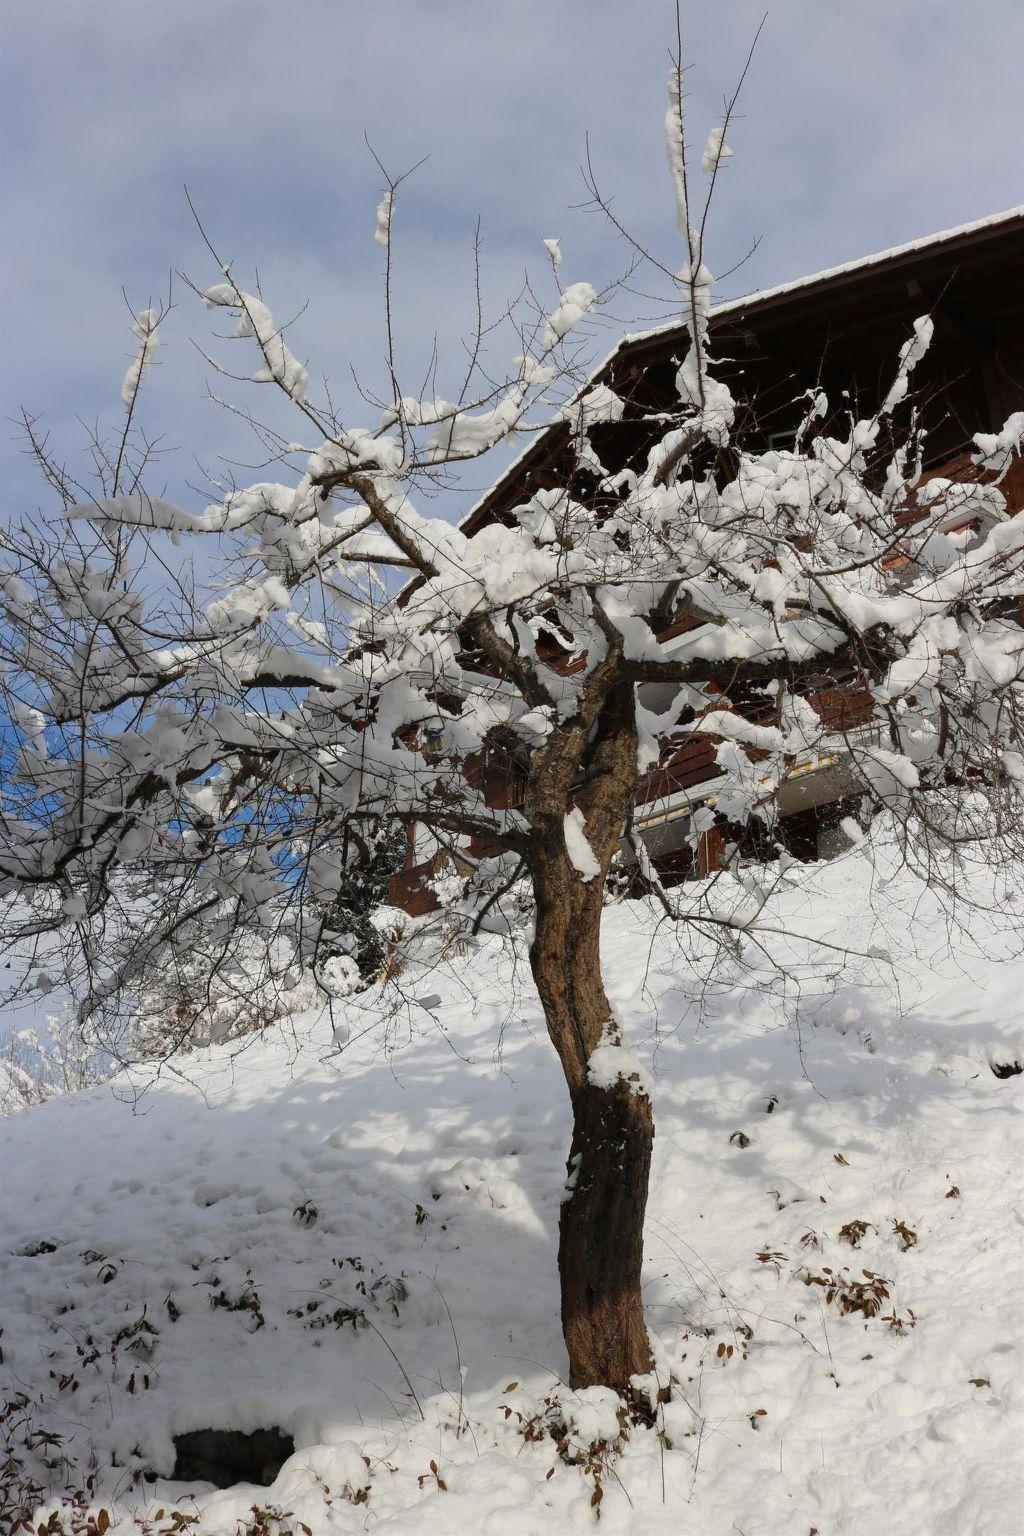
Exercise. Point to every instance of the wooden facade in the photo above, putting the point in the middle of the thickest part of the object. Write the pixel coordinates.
(839, 331)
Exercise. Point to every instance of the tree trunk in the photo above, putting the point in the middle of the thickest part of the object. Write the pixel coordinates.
(601, 1238)
(588, 767)
(600, 1249)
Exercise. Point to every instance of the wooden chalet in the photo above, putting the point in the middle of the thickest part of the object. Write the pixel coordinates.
(839, 330)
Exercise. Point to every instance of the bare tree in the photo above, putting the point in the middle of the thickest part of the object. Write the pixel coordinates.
(193, 766)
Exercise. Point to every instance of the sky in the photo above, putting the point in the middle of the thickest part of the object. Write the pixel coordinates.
(862, 125)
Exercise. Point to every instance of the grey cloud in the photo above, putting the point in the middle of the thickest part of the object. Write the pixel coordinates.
(863, 125)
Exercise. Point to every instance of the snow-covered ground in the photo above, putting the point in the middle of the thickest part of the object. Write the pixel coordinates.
(359, 1248)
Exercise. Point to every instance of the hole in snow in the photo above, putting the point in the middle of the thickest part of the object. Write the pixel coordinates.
(1006, 1069)
(225, 1457)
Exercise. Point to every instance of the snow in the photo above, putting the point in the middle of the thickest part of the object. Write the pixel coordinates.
(614, 1060)
(715, 151)
(887, 772)
(340, 975)
(255, 319)
(554, 250)
(166, 1260)
(581, 856)
(248, 601)
(382, 233)
(575, 302)
(675, 141)
(996, 449)
(145, 327)
(911, 353)
(597, 405)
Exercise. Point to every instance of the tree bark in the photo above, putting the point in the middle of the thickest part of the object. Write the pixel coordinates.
(600, 1248)
(601, 1239)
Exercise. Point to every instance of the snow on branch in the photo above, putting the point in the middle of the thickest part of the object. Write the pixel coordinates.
(715, 151)
(385, 208)
(145, 327)
(255, 319)
(996, 450)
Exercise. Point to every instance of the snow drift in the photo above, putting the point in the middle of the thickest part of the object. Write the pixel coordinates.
(358, 1248)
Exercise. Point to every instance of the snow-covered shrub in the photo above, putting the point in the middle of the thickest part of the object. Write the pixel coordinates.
(36, 1065)
(362, 888)
(194, 1001)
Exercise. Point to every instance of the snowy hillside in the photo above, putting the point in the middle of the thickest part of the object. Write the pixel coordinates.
(358, 1249)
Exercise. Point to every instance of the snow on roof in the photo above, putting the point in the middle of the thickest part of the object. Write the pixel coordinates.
(761, 296)
(877, 258)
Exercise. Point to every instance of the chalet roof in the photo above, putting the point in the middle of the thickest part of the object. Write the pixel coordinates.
(832, 277)
(824, 288)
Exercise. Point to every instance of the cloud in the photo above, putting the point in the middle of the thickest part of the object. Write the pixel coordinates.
(862, 126)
